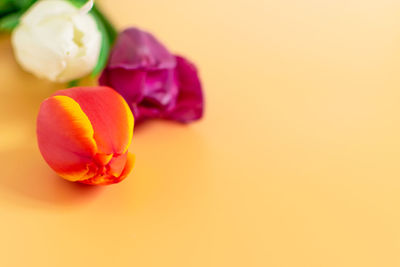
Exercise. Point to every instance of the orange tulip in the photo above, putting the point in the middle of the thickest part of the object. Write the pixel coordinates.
(84, 134)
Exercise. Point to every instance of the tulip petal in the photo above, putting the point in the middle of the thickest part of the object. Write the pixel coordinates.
(161, 89)
(130, 162)
(159, 95)
(103, 159)
(118, 170)
(128, 84)
(137, 49)
(100, 180)
(109, 115)
(65, 137)
(190, 103)
(117, 165)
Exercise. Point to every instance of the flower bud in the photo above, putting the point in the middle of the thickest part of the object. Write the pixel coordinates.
(57, 41)
(84, 134)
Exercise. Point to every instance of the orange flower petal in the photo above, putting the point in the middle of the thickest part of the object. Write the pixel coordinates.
(109, 115)
(103, 159)
(65, 138)
(130, 162)
(117, 170)
(117, 165)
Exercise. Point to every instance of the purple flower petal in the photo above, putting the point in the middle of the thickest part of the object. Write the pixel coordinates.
(159, 95)
(137, 49)
(155, 83)
(128, 83)
(190, 102)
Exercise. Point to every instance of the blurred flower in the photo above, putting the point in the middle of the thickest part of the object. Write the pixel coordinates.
(84, 134)
(155, 83)
(57, 41)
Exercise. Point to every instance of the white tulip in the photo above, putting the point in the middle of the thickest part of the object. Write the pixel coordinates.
(57, 41)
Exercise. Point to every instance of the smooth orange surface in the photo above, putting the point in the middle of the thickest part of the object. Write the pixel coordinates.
(297, 162)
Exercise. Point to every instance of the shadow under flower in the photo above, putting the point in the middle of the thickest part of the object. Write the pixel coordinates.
(32, 183)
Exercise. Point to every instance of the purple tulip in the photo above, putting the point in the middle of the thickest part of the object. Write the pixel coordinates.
(155, 83)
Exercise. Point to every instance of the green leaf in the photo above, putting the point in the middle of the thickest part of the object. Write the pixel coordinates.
(105, 48)
(11, 11)
(109, 34)
(111, 31)
(23, 4)
(6, 7)
(8, 23)
(73, 83)
(77, 3)
(5, 4)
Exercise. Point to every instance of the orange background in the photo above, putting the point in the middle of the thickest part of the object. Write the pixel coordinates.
(295, 164)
